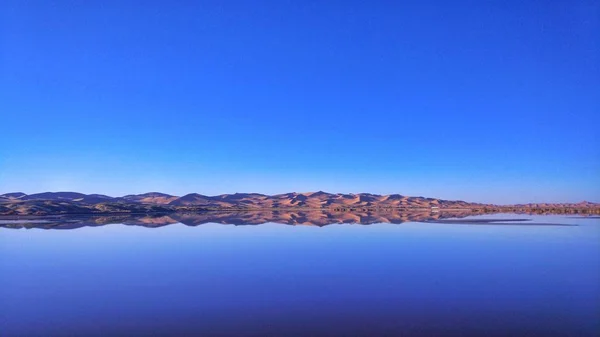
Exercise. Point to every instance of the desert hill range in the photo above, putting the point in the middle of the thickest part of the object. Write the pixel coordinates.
(54, 203)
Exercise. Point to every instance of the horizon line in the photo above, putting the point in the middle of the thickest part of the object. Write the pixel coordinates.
(302, 193)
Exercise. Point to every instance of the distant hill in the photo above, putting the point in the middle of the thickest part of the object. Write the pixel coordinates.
(14, 195)
(72, 202)
(68, 196)
(150, 198)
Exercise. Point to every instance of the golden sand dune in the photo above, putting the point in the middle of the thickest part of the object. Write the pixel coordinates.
(51, 203)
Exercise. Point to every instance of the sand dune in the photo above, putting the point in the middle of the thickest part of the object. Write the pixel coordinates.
(49, 203)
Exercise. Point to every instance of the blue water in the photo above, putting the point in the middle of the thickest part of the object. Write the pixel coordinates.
(410, 279)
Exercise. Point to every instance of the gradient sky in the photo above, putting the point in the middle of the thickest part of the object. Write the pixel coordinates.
(482, 101)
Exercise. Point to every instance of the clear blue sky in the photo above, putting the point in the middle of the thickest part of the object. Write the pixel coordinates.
(492, 101)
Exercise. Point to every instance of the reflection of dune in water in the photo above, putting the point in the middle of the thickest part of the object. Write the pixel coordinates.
(308, 218)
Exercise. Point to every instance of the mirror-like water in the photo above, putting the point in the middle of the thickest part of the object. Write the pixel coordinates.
(441, 278)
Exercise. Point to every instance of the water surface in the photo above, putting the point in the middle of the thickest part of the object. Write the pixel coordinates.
(389, 279)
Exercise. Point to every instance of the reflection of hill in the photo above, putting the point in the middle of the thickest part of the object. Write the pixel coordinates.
(311, 218)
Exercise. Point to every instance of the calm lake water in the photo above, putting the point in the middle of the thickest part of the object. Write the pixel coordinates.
(410, 279)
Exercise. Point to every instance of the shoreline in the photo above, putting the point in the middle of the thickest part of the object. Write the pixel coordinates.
(586, 212)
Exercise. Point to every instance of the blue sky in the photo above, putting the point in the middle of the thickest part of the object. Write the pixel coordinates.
(482, 101)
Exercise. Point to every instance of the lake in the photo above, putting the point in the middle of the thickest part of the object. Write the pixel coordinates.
(74, 277)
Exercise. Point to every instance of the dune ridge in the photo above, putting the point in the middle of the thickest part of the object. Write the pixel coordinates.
(50, 203)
